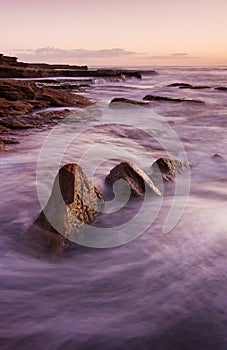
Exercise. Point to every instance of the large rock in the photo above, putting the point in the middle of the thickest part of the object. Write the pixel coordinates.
(137, 179)
(74, 202)
(169, 168)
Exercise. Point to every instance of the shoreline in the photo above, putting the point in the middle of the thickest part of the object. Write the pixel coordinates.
(31, 88)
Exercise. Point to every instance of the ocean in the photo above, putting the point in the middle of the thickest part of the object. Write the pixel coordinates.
(154, 274)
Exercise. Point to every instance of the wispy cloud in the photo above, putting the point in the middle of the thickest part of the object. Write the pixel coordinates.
(55, 53)
(97, 57)
(172, 56)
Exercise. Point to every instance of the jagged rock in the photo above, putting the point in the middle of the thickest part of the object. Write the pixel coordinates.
(74, 202)
(137, 179)
(119, 101)
(170, 168)
(169, 99)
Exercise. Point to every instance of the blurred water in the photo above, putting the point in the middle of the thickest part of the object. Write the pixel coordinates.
(160, 291)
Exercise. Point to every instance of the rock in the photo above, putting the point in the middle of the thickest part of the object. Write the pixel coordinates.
(74, 202)
(221, 88)
(14, 90)
(218, 157)
(183, 85)
(61, 98)
(11, 108)
(2, 147)
(170, 168)
(188, 86)
(169, 99)
(8, 140)
(11, 68)
(121, 101)
(135, 177)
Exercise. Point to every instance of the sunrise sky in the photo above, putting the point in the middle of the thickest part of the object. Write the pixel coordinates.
(115, 32)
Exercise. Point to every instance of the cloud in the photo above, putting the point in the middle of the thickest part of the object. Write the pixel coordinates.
(171, 56)
(48, 53)
(114, 56)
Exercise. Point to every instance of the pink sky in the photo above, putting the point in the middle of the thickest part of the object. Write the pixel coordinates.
(147, 32)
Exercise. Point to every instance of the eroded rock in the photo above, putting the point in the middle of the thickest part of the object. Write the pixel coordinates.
(137, 179)
(74, 202)
(169, 168)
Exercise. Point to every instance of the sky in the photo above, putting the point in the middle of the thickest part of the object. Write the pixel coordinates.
(115, 32)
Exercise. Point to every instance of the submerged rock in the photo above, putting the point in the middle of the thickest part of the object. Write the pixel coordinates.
(169, 99)
(120, 101)
(137, 179)
(218, 157)
(189, 86)
(74, 202)
(221, 88)
(169, 168)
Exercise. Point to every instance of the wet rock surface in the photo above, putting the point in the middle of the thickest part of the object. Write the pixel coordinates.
(19, 99)
(189, 86)
(169, 168)
(120, 101)
(74, 203)
(137, 179)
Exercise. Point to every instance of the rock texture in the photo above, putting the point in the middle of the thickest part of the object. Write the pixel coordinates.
(170, 168)
(169, 99)
(74, 202)
(19, 99)
(137, 179)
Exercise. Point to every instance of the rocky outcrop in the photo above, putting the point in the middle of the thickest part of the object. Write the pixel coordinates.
(119, 101)
(169, 168)
(137, 179)
(74, 203)
(169, 99)
(38, 97)
(19, 98)
(11, 68)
